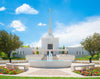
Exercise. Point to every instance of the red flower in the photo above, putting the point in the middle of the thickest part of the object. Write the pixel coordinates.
(1, 73)
(82, 72)
(85, 75)
(12, 69)
(87, 72)
(14, 72)
(96, 72)
(7, 71)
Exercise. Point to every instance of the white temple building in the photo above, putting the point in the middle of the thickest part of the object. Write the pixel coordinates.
(51, 43)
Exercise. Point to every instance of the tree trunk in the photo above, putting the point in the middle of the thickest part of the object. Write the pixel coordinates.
(9, 57)
(90, 60)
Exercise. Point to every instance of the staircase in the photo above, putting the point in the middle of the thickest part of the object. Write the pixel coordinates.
(54, 58)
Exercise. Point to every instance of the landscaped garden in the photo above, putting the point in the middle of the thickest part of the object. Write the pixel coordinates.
(4, 56)
(92, 72)
(86, 57)
(4, 70)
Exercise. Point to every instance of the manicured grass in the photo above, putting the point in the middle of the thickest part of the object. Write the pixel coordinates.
(16, 59)
(85, 59)
(14, 77)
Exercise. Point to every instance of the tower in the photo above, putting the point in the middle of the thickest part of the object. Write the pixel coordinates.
(50, 29)
(49, 41)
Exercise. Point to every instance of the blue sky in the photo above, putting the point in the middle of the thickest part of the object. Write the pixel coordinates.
(72, 20)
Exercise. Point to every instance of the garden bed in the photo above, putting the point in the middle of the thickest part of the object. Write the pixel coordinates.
(4, 70)
(92, 72)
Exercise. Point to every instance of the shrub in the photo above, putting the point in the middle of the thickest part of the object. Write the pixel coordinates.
(77, 72)
(3, 55)
(37, 52)
(14, 53)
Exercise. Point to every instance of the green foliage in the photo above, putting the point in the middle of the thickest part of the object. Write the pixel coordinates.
(63, 52)
(14, 53)
(37, 52)
(15, 58)
(9, 42)
(37, 48)
(95, 70)
(26, 46)
(95, 57)
(77, 72)
(88, 56)
(92, 44)
(3, 55)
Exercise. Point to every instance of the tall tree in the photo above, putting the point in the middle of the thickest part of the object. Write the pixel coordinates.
(9, 42)
(92, 44)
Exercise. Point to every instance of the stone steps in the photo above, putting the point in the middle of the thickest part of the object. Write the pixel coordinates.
(54, 58)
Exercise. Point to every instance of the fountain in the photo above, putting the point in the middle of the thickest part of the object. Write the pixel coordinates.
(50, 43)
(49, 57)
(63, 60)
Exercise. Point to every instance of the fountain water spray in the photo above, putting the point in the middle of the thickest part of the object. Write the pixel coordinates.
(49, 57)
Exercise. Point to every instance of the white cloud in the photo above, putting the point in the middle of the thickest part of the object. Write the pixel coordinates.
(17, 25)
(41, 24)
(35, 44)
(72, 35)
(2, 8)
(26, 9)
(13, 30)
(2, 24)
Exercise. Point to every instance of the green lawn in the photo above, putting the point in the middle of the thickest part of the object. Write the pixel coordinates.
(13, 77)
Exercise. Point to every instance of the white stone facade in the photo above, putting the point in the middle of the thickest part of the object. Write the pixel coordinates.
(49, 40)
(77, 51)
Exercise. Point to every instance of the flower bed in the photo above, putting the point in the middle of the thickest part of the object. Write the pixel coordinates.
(4, 70)
(92, 72)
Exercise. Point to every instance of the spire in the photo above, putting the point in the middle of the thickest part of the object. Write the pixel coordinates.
(50, 30)
(50, 19)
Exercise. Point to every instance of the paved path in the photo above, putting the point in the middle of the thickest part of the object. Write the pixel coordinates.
(50, 72)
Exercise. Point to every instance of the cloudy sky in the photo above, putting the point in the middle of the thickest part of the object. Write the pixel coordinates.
(72, 20)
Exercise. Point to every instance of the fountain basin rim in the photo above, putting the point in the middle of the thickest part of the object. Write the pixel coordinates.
(50, 60)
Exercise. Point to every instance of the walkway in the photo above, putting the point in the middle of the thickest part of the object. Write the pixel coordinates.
(49, 72)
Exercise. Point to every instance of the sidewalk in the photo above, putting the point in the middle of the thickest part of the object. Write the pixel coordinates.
(49, 72)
